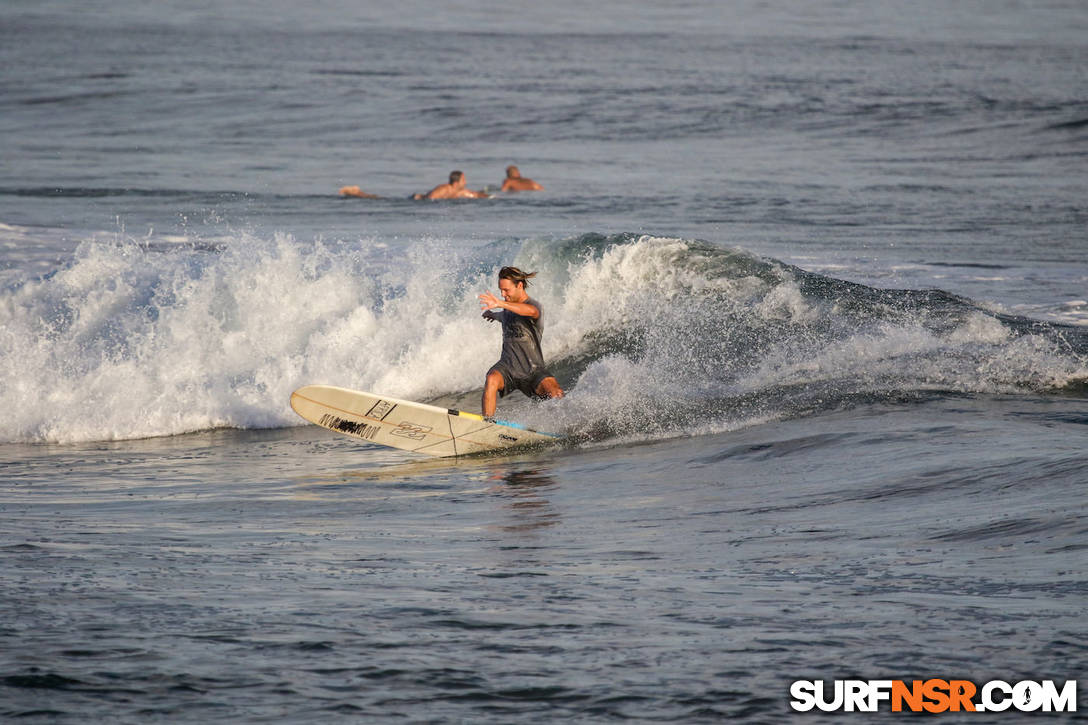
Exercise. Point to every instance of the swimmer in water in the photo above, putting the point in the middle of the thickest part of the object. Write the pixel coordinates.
(514, 181)
(453, 190)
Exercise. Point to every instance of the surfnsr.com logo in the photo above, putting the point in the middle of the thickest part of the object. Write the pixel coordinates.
(933, 695)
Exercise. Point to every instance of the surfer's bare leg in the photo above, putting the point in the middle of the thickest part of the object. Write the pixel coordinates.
(492, 386)
(549, 387)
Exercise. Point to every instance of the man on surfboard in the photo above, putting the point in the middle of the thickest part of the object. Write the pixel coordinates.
(514, 181)
(453, 190)
(521, 365)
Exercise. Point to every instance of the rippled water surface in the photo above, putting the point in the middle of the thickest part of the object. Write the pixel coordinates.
(283, 575)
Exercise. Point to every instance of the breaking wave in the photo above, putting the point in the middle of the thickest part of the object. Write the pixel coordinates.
(652, 337)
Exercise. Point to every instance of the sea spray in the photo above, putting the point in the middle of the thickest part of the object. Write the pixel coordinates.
(651, 336)
(688, 336)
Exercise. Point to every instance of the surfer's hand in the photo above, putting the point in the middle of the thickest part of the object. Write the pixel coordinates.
(488, 300)
(489, 316)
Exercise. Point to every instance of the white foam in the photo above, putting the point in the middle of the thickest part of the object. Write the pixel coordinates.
(784, 302)
(132, 341)
(123, 343)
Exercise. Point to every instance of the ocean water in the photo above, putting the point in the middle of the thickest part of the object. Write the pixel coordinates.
(814, 278)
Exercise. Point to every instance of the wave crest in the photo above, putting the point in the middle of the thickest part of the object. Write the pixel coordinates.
(652, 336)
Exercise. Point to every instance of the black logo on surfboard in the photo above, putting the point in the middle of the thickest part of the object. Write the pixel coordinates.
(381, 409)
(361, 430)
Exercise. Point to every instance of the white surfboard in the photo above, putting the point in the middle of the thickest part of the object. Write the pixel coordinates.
(410, 426)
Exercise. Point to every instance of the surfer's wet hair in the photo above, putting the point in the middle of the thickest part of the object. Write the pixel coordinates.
(516, 276)
(455, 176)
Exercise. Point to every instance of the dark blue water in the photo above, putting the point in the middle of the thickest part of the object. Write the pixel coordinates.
(814, 279)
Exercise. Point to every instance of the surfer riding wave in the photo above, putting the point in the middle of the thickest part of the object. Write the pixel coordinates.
(521, 365)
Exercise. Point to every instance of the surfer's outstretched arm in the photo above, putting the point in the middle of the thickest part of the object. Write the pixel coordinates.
(489, 301)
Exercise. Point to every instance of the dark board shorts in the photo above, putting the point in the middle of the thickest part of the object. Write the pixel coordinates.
(511, 382)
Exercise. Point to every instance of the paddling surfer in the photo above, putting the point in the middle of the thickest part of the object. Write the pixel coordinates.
(453, 190)
(521, 365)
(514, 181)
